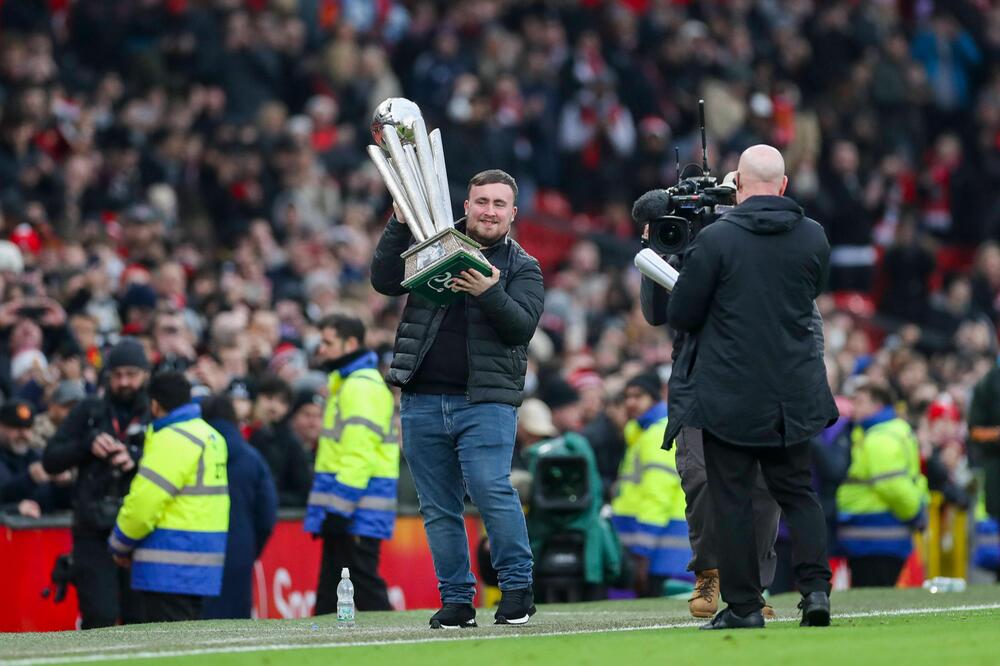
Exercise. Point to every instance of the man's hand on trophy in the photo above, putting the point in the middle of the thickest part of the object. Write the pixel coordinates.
(474, 282)
(399, 214)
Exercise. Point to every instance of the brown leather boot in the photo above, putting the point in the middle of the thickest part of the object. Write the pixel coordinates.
(704, 601)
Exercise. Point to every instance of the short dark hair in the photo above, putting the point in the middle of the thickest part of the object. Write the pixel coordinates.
(275, 386)
(170, 389)
(218, 407)
(877, 391)
(346, 326)
(491, 176)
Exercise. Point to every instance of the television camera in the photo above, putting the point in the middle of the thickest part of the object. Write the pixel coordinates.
(676, 214)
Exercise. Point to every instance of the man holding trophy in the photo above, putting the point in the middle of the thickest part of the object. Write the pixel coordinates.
(460, 356)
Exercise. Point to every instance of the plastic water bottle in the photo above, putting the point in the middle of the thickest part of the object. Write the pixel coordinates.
(345, 600)
(943, 584)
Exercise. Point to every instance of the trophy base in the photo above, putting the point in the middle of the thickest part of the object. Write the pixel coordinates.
(431, 266)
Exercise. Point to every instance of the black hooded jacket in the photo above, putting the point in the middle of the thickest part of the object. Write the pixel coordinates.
(751, 371)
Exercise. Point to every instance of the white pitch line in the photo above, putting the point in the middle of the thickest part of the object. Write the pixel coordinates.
(459, 635)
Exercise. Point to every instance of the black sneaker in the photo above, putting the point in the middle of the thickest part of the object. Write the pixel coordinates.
(728, 619)
(516, 606)
(453, 616)
(815, 608)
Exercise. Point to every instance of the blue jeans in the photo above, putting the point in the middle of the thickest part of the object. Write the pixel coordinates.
(452, 447)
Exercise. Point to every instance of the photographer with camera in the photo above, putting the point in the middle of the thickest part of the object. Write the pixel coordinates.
(103, 438)
(756, 382)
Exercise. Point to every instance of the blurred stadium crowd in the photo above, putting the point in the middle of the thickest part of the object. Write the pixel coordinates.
(192, 173)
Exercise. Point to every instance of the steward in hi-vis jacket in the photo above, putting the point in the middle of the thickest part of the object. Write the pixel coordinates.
(173, 524)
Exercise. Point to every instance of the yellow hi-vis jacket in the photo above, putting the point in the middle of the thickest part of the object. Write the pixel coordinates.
(357, 460)
(648, 508)
(175, 519)
(884, 491)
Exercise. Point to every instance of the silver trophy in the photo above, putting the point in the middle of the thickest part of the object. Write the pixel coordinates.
(411, 163)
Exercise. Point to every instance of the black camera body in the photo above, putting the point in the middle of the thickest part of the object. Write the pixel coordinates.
(691, 205)
(102, 511)
(105, 484)
(63, 575)
(676, 214)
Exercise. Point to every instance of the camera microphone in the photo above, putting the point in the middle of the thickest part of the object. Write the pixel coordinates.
(652, 205)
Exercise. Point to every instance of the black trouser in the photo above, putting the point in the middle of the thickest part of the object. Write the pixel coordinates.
(654, 587)
(360, 555)
(701, 514)
(163, 607)
(731, 475)
(103, 588)
(875, 570)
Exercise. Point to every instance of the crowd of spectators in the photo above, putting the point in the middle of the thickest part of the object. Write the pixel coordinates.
(192, 173)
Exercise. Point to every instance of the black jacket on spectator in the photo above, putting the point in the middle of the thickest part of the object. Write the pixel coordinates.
(907, 269)
(288, 461)
(746, 296)
(939, 479)
(253, 511)
(608, 442)
(847, 220)
(99, 486)
(16, 483)
(501, 321)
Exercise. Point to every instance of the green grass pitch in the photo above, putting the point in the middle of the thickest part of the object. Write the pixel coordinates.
(884, 627)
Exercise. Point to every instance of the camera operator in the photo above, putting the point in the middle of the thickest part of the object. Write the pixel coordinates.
(756, 380)
(704, 601)
(103, 437)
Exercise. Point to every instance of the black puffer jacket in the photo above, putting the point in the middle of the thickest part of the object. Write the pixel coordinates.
(501, 321)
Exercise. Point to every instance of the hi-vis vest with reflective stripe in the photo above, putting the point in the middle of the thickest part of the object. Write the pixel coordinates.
(649, 502)
(986, 551)
(883, 491)
(357, 460)
(175, 518)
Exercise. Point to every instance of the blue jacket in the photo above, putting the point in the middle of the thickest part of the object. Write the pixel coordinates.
(253, 511)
